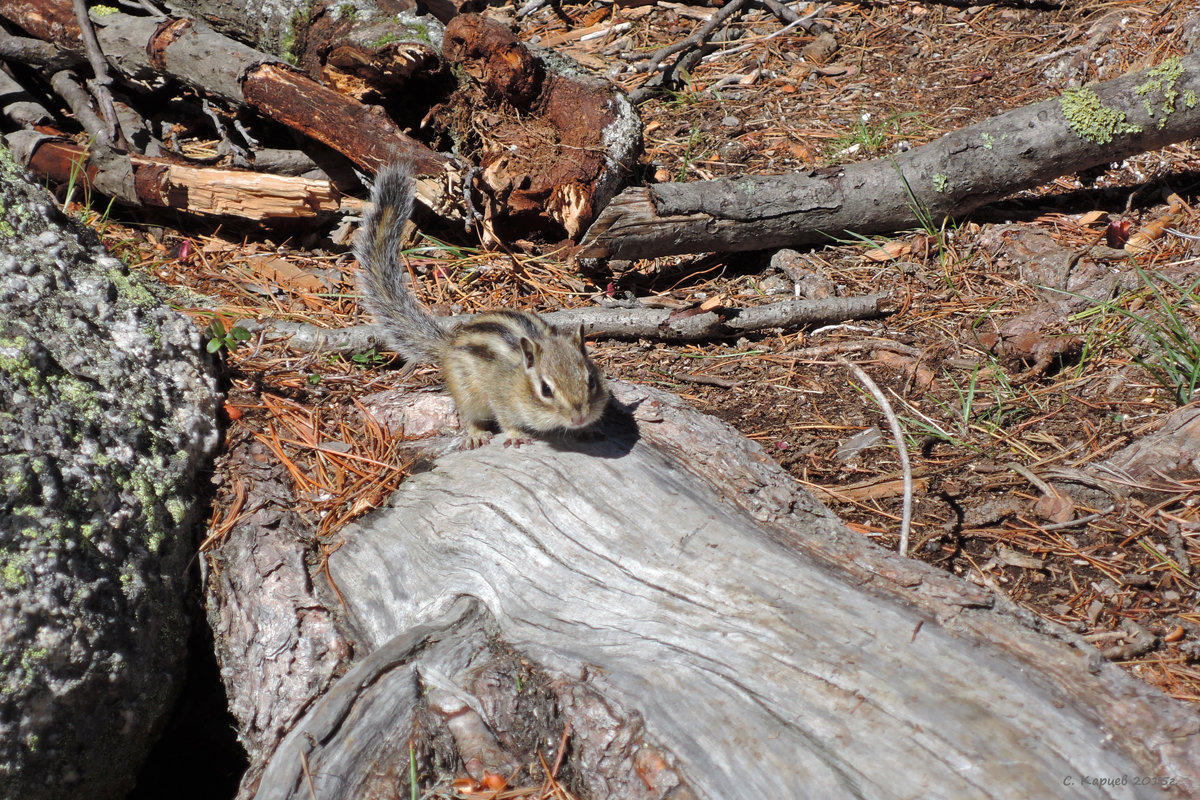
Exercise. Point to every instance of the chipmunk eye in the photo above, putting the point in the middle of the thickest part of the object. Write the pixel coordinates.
(547, 392)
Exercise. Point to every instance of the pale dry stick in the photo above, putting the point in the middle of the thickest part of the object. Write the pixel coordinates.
(1075, 523)
(802, 22)
(898, 436)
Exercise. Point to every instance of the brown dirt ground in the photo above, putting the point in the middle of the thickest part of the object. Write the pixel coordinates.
(904, 73)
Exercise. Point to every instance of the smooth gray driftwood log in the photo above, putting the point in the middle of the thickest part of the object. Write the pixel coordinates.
(676, 573)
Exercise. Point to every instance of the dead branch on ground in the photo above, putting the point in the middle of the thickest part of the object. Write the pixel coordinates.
(945, 179)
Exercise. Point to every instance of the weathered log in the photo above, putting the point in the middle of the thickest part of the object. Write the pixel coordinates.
(946, 178)
(739, 640)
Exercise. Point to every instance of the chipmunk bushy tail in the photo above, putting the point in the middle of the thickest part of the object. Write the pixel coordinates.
(411, 331)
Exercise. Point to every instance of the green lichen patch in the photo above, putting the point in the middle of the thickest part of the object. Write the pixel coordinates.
(132, 289)
(12, 570)
(1090, 119)
(1161, 81)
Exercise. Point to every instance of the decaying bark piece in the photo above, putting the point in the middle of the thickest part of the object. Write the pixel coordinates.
(946, 178)
(672, 575)
(276, 644)
(551, 145)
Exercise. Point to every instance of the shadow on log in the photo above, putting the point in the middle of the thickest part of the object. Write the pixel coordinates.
(708, 631)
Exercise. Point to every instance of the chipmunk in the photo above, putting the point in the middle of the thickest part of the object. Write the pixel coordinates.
(510, 367)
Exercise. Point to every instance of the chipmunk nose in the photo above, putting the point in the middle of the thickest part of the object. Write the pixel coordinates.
(578, 419)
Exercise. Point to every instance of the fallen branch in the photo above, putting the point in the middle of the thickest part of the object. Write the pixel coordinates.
(194, 54)
(948, 177)
(695, 41)
(617, 323)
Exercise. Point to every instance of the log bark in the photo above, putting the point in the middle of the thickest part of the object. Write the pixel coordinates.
(944, 179)
(709, 630)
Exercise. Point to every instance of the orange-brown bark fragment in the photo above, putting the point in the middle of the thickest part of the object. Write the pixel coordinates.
(361, 133)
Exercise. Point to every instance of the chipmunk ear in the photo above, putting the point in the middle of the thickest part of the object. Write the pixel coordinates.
(579, 338)
(530, 349)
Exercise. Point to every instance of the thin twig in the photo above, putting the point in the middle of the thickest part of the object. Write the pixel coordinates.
(800, 22)
(100, 83)
(697, 39)
(901, 449)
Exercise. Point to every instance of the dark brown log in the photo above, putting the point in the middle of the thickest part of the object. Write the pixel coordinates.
(51, 20)
(692, 608)
(944, 179)
(362, 134)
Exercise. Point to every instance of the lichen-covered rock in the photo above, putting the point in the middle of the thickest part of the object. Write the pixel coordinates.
(107, 413)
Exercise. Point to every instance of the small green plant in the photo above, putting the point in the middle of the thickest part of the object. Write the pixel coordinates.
(1173, 346)
(219, 337)
(691, 94)
(1165, 344)
(77, 176)
(689, 156)
(412, 773)
(868, 136)
(370, 358)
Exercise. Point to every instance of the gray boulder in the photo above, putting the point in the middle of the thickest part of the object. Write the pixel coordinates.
(107, 415)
